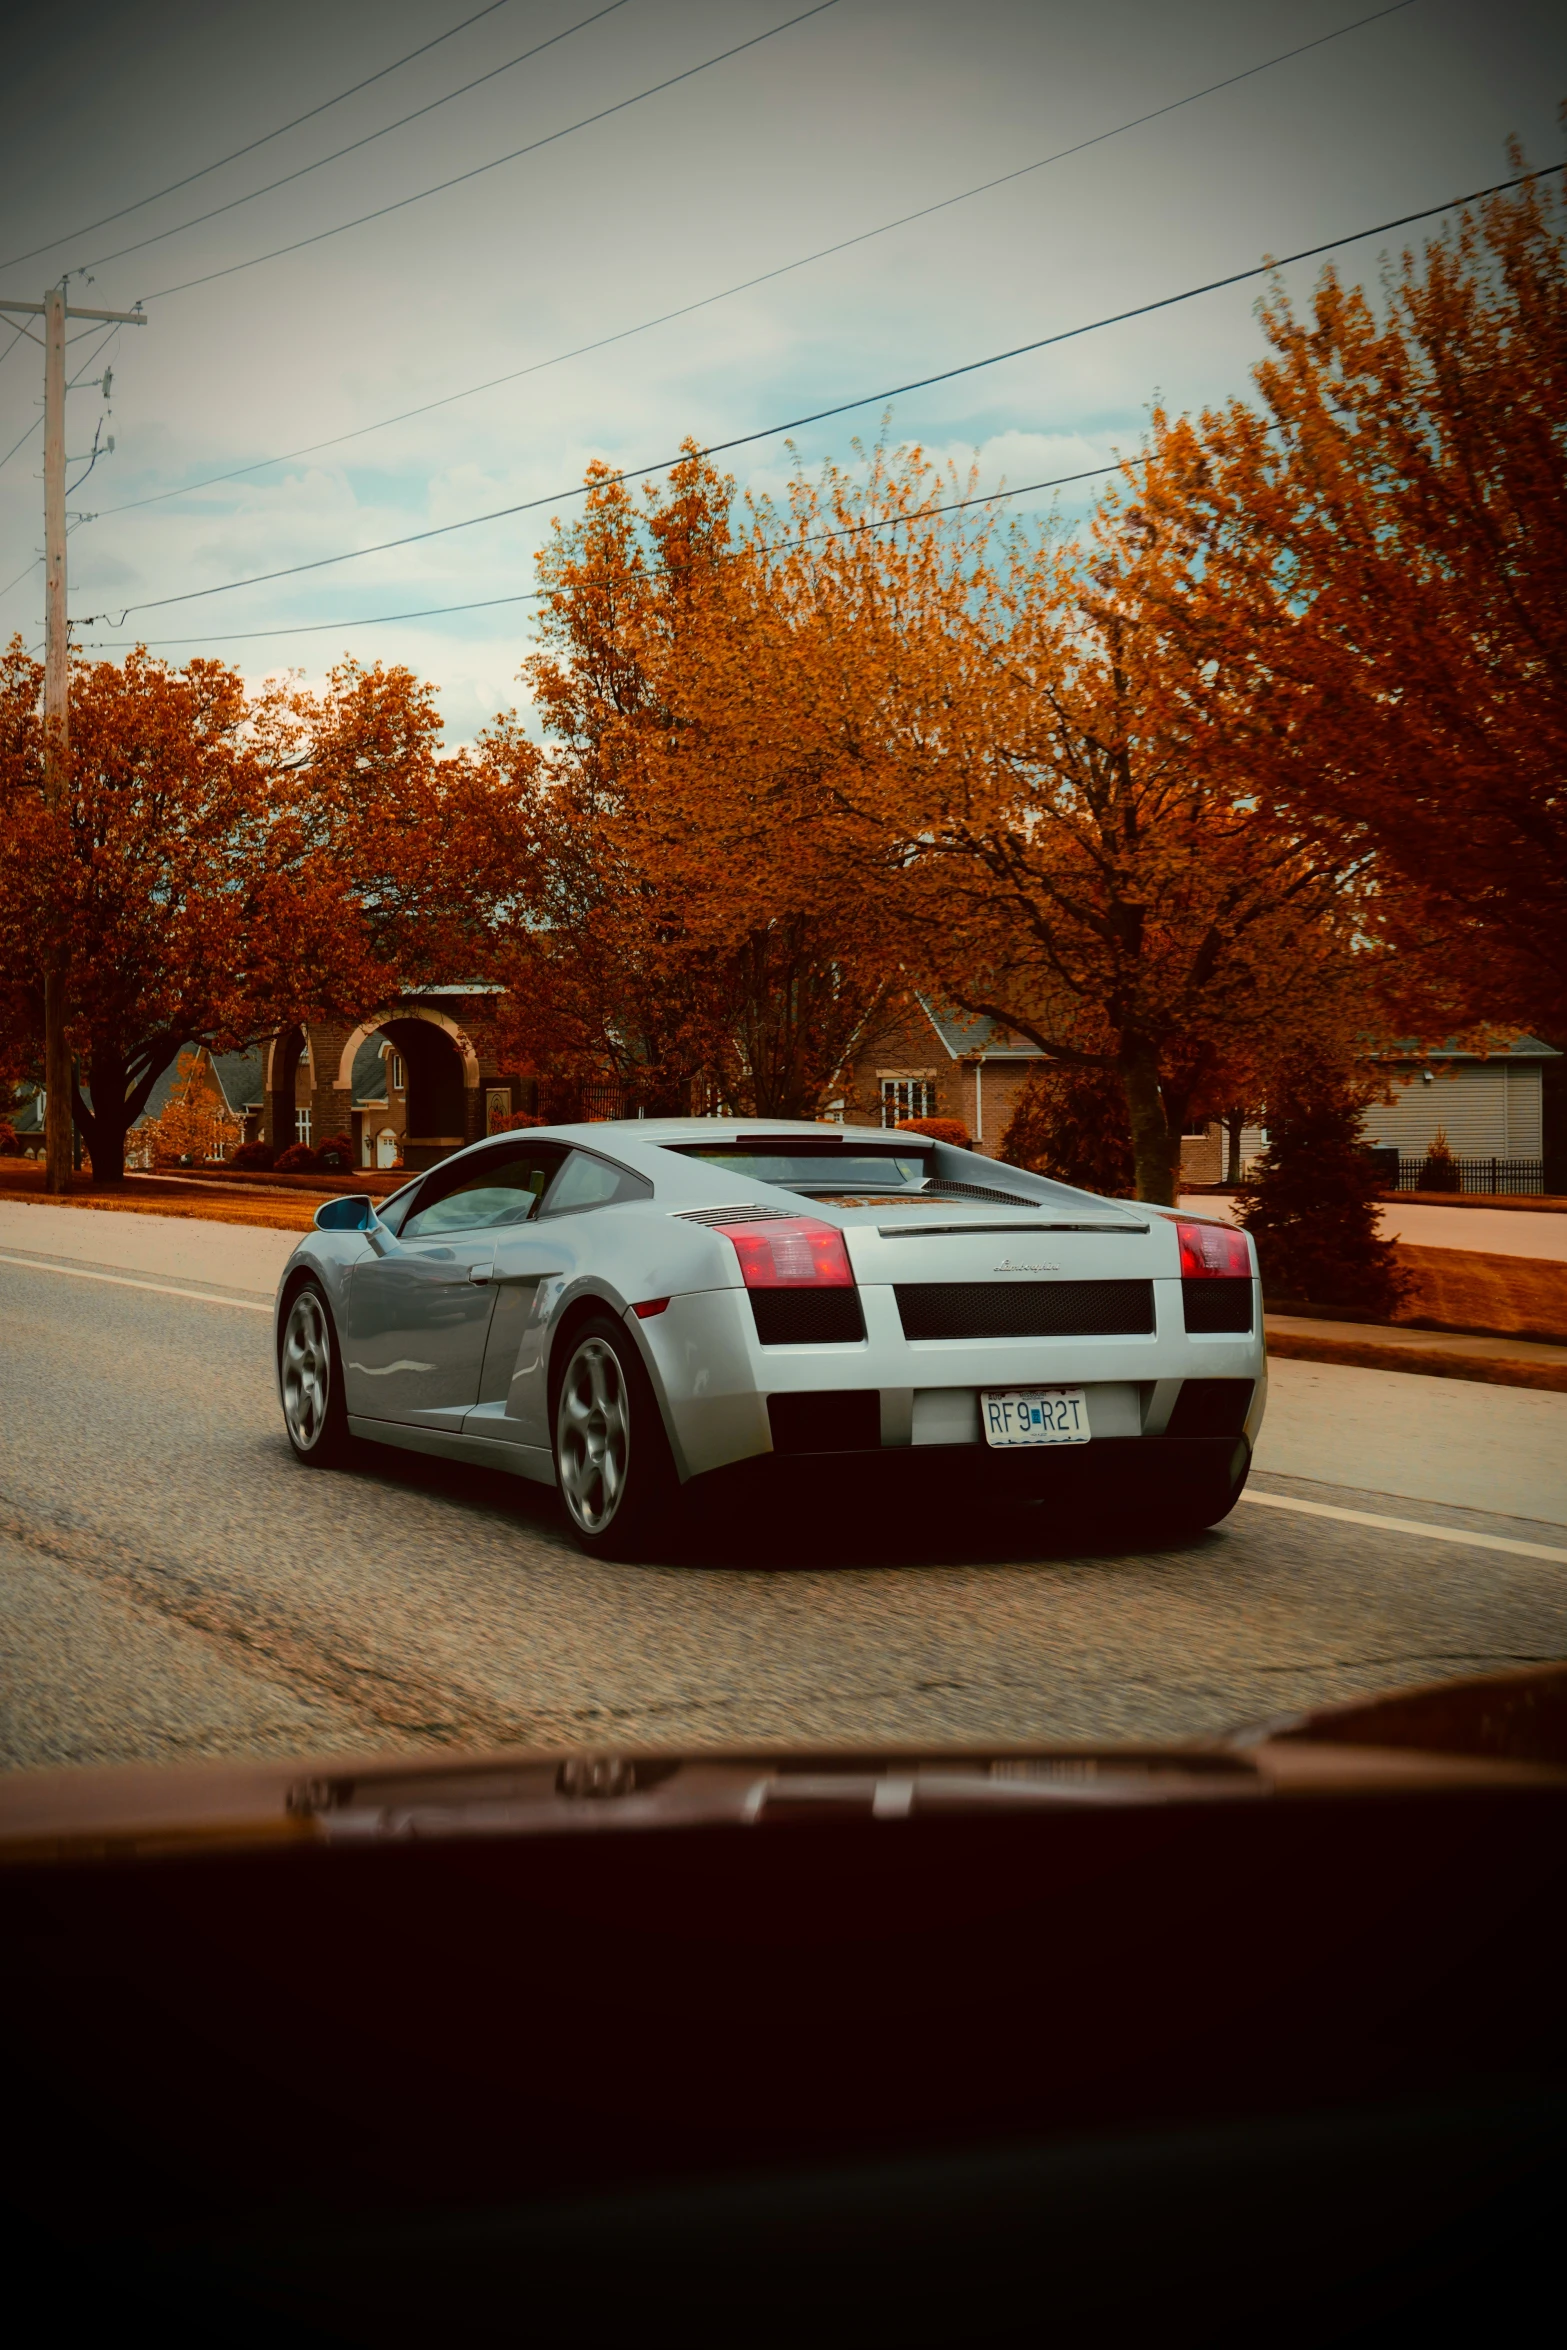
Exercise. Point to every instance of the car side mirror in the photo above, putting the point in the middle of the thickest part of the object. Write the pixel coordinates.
(354, 1214)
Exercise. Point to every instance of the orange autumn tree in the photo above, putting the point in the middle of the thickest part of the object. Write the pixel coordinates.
(1378, 541)
(1053, 797)
(223, 866)
(682, 923)
(195, 1122)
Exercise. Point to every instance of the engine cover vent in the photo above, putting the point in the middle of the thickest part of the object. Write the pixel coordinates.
(1026, 1309)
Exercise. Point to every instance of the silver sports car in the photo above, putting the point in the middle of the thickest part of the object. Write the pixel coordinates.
(636, 1312)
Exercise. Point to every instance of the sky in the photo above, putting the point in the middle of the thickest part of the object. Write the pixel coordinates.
(820, 131)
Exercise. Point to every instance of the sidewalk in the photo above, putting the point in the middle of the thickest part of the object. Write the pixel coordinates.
(1512, 1231)
(1446, 1440)
(162, 1248)
(1439, 1354)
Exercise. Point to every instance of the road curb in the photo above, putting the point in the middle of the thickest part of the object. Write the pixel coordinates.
(1432, 1363)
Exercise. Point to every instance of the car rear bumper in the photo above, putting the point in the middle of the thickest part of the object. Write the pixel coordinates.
(727, 1398)
(1122, 1477)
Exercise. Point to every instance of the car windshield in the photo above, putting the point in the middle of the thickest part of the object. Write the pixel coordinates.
(818, 1167)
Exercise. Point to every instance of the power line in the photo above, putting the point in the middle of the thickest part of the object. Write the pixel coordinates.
(21, 575)
(459, 179)
(861, 400)
(533, 595)
(623, 334)
(70, 387)
(354, 145)
(267, 136)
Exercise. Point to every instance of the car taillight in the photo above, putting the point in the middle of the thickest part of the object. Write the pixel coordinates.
(1213, 1252)
(792, 1253)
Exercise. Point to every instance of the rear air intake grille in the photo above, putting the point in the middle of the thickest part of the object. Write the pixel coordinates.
(752, 1213)
(1212, 1305)
(1008, 1199)
(1210, 1407)
(848, 1420)
(807, 1317)
(1026, 1309)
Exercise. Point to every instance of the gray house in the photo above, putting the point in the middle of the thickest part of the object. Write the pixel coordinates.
(1489, 1106)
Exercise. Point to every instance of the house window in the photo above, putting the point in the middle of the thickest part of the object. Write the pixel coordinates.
(1197, 1133)
(395, 1064)
(906, 1097)
(301, 1125)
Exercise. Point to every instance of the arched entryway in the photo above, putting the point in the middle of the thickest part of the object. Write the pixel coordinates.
(411, 1068)
(435, 1112)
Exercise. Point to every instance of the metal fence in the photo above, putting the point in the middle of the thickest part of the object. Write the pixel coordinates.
(1475, 1175)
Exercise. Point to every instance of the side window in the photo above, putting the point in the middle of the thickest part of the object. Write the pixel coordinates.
(498, 1187)
(587, 1181)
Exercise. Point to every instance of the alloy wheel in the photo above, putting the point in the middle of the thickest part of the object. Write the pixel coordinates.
(593, 1435)
(306, 1370)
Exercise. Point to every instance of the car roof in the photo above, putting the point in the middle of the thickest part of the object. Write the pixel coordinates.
(670, 1132)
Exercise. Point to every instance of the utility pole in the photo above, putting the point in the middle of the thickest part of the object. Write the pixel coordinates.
(54, 311)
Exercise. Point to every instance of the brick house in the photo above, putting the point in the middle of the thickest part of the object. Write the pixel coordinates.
(926, 1061)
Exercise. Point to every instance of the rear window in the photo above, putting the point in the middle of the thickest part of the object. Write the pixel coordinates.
(826, 1167)
(587, 1181)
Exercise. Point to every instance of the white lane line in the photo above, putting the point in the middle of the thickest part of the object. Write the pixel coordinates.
(123, 1281)
(1324, 1509)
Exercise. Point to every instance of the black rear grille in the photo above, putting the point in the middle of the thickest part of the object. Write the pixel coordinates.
(807, 1317)
(1210, 1407)
(1025, 1309)
(1222, 1304)
(844, 1420)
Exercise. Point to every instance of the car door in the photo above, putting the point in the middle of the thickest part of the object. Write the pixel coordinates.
(419, 1306)
(531, 1267)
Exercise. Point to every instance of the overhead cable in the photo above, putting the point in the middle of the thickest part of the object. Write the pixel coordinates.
(309, 115)
(459, 179)
(533, 595)
(21, 575)
(784, 269)
(353, 146)
(860, 400)
(70, 387)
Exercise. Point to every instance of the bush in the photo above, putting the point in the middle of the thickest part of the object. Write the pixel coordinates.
(298, 1159)
(950, 1130)
(254, 1154)
(1313, 1212)
(1072, 1123)
(10, 1145)
(336, 1155)
(1439, 1172)
(517, 1121)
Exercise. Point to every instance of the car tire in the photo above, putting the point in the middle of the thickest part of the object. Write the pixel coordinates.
(613, 1464)
(310, 1380)
(1207, 1493)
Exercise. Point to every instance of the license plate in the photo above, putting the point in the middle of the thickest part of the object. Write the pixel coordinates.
(1035, 1415)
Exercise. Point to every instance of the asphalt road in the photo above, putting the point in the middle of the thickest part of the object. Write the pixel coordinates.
(172, 1584)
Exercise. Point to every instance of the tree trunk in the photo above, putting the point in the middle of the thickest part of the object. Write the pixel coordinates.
(103, 1128)
(116, 1103)
(1153, 1156)
(1234, 1128)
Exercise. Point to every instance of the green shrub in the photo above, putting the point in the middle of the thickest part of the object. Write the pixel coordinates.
(1072, 1123)
(1439, 1172)
(1313, 1211)
(950, 1130)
